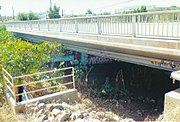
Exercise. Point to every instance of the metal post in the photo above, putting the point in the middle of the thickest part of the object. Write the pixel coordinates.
(60, 26)
(31, 25)
(134, 25)
(38, 25)
(14, 90)
(48, 25)
(24, 25)
(76, 26)
(99, 26)
(73, 78)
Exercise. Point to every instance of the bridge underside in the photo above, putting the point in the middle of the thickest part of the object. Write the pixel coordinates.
(156, 53)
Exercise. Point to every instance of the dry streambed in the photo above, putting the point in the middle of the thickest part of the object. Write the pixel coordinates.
(83, 111)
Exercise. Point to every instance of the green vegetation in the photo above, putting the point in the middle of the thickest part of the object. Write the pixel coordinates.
(54, 12)
(20, 57)
(144, 9)
(89, 12)
(32, 16)
(107, 89)
(27, 16)
(164, 8)
(22, 16)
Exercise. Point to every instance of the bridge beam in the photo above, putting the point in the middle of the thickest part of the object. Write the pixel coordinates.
(147, 52)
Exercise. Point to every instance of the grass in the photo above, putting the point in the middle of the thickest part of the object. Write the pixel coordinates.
(6, 114)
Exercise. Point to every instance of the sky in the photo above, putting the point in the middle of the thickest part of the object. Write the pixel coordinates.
(77, 6)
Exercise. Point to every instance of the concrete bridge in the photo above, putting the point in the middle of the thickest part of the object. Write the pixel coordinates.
(149, 39)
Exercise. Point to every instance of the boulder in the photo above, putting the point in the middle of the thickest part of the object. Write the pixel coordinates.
(87, 120)
(40, 112)
(41, 105)
(64, 116)
(44, 117)
(100, 114)
(58, 106)
(56, 111)
(49, 107)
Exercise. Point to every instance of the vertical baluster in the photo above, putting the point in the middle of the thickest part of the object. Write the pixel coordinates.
(178, 25)
(76, 25)
(138, 20)
(146, 25)
(162, 25)
(149, 18)
(142, 22)
(158, 25)
(134, 25)
(172, 25)
(99, 26)
(167, 25)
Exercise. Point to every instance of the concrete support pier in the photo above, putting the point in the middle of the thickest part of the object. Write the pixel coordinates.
(172, 106)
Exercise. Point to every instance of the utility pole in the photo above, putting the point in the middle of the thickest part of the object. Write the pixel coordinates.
(62, 12)
(13, 13)
(50, 3)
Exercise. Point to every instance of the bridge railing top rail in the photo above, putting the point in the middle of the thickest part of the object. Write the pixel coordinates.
(103, 16)
(163, 24)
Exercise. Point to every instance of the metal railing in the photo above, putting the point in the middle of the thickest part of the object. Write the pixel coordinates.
(154, 24)
(63, 77)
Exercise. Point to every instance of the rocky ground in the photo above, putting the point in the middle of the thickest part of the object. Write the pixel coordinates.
(87, 109)
(83, 111)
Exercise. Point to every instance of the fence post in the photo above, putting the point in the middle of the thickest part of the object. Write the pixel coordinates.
(134, 25)
(48, 25)
(38, 25)
(14, 90)
(24, 25)
(31, 25)
(73, 78)
(76, 26)
(60, 26)
(99, 26)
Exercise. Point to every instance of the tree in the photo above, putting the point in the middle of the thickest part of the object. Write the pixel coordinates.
(32, 16)
(22, 16)
(54, 12)
(106, 13)
(143, 9)
(88, 12)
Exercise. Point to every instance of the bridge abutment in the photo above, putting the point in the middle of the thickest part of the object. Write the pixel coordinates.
(172, 105)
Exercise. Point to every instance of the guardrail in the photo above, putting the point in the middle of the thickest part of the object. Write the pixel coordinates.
(154, 24)
(50, 81)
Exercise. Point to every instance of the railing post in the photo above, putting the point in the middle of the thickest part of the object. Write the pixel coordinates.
(38, 25)
(60, 26)
(73, 78)
(99, 26)
(48, 25)
(14, 90)
(31, 25)
(24, 25)
(134, 25)
(76, 26)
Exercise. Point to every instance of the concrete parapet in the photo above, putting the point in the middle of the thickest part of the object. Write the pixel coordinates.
(64, 96)
(172, 106)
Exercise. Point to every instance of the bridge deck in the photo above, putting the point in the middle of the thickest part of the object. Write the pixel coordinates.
(150, 39)
(158, 53)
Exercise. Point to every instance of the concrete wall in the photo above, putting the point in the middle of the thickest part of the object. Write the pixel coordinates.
(172, 106)
(64, 96)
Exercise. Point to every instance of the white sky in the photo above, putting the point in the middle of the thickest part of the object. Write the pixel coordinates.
(76, 6)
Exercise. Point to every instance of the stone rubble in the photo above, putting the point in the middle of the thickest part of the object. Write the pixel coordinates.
(64, 112)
